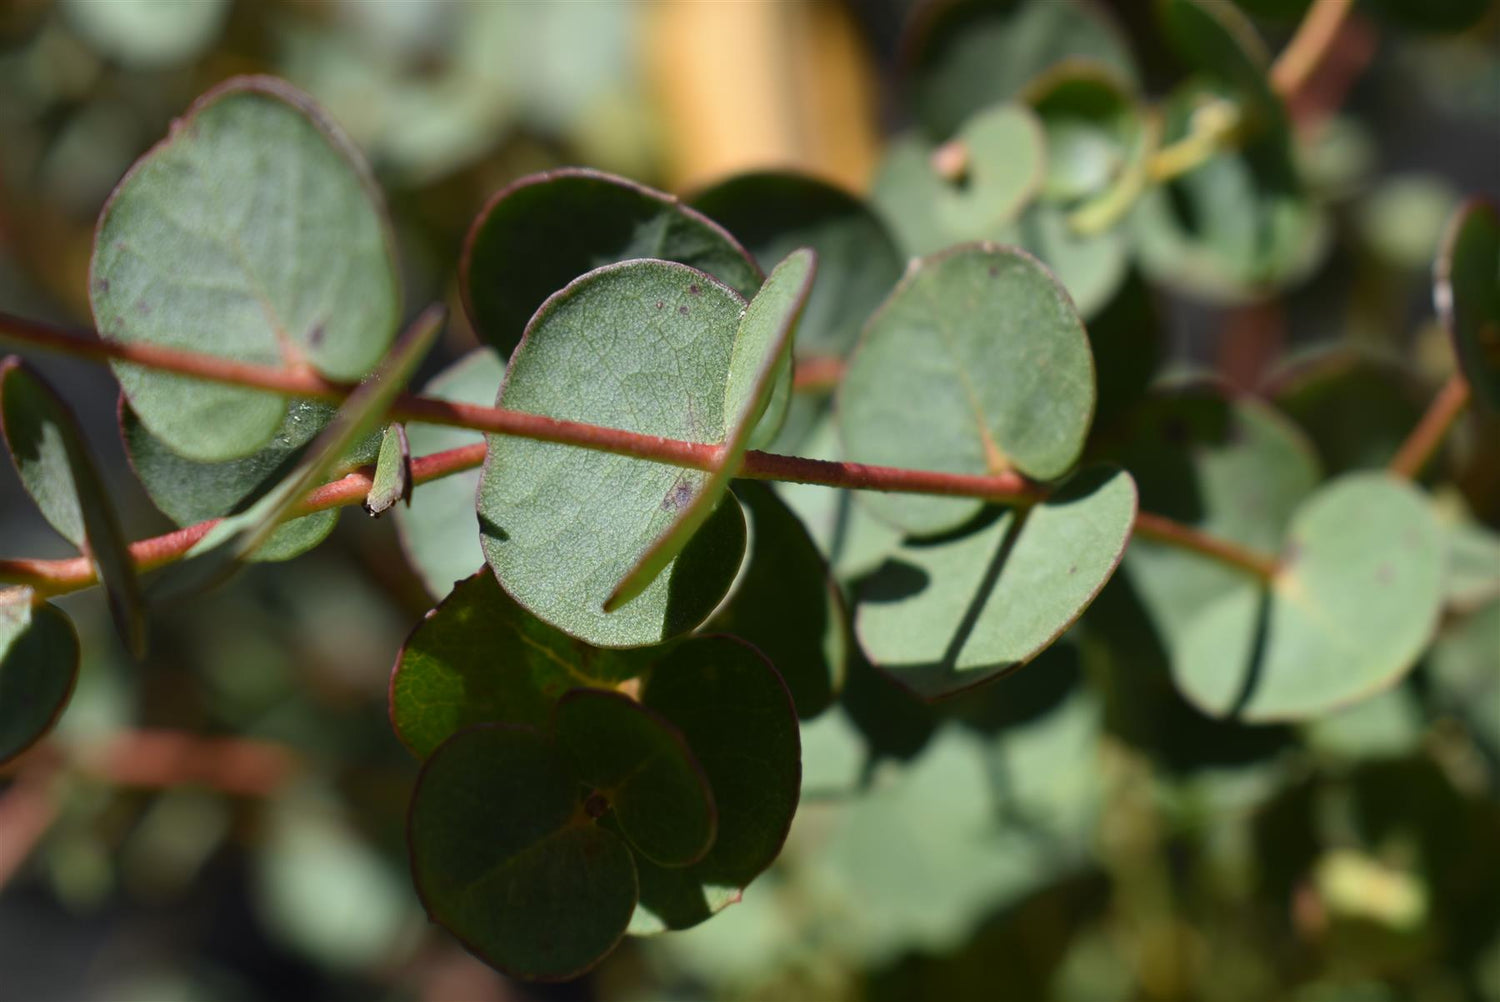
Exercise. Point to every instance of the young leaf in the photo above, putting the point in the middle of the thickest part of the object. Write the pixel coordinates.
(440, 532)
(999, 169)
(644, 346)
(1356, 600)
(762, 350)
(1467, 289)
(543, 231)
(641, 771)
(235, 538)
(253, 232)
(786, 604)
(1094, 127)
(773, 213)
(480, 658)
(59, 473)
(737, 716)
(990, 345)
(506, 856)
(944, 615)
(392, 480)
(38, 666)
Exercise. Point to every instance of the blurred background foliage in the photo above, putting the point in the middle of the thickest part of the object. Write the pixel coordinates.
(225, 820)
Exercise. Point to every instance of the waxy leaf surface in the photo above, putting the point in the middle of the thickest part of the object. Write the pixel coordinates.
(943, 615)
(252, 232)
(761, 356)
(644, 346)
(988, 346)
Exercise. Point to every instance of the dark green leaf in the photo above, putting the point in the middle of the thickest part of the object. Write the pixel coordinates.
(762, 353)
(38, 666)
(786, 604)
(644, 346)
(739, 722)
(947, 614)
(440, 532)
(1467, 289)
(480, 658)
(640, 769)
(773, 213)
(59, 473)
(1356, 408)
(993, 349)
(253, 232)
(506, 857)
(543, 231)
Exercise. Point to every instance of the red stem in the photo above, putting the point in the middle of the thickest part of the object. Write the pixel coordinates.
(1418, 449)
(56, 576)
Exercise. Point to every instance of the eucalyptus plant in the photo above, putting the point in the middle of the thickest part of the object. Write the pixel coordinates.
(715, 460)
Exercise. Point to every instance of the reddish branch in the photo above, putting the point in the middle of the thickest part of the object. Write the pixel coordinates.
(1434, 426)
(55, 576)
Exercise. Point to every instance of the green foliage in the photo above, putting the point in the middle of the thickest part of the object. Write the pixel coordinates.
(991, 345)
(671, 331)
(537, 235)
(58, 472)
(946, 614)
(1468, 296)
(216, 241)
(640, 659)
(38, 666)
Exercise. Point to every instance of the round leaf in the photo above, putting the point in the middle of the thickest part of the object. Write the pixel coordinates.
(253, 232)
(439, 531)
(644, 346)
(506, 857)
(641, 770)
(38, 666)
(1002, 166)
(987, 343)
(947, 614)
(759, 361)
(480, 658)
(1467, 289)
(741, 726)
(1353, 606)
(541, 232)
(773, 213)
